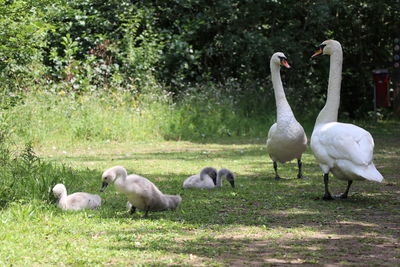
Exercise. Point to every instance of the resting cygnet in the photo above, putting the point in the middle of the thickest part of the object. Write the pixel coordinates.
(229, 176)
(207, 178)
(141, 193)
(75, 201)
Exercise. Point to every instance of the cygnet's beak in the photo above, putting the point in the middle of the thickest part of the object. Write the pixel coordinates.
(319, 52)
(232, 182)
(103, 186)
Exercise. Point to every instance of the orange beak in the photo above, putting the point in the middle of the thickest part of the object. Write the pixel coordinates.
(319, 52)
(284, 63)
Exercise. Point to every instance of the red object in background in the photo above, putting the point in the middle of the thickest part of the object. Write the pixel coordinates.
(381, 81)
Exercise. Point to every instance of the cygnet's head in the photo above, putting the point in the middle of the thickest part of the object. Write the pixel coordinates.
(280, 59)
(328, 47)
(231, 179)
(229, 176)
(110, 175)
(58, 190)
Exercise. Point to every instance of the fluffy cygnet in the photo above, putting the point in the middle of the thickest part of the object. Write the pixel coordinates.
(207, 178)
(75, 201)
(141, 193)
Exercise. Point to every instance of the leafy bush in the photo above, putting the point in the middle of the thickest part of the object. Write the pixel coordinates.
(23, 33)
(234, 39)
(103, 46)
(145, 47)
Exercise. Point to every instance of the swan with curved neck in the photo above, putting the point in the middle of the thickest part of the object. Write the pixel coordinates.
(207, 178)
(286, 138)
(344, 149)
(141, 193)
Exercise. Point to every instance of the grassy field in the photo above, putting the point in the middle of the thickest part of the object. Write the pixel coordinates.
(262, 222)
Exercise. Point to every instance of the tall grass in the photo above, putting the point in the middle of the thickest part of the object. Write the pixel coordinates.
(54, 118)
(25, 177)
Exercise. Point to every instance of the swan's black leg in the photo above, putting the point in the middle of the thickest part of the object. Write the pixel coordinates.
(327, 195)
(344, 195)
(300, 173)
(132, 210)
(277, 177)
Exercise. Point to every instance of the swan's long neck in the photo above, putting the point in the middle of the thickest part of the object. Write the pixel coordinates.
(62, 199)
(120, 175)
(329, 113)
(283, 109)
(219, 180)
(221, 173)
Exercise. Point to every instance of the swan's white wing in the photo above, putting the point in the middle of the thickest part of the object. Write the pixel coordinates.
(272, 130)
(347, 141)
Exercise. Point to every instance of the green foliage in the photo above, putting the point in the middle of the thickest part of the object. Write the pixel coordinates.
(25, 177)
(235, 39)
(23, 32)
(88, 46)
(103, 46)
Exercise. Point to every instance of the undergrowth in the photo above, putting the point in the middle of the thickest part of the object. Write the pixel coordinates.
(61, 118)
(26, 177)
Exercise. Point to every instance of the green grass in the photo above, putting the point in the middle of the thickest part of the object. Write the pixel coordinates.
(44, 118)
(262, 222)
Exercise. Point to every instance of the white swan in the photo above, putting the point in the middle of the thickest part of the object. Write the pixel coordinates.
(207, 178)
(286, 138)
(344, 149)
(141, 193)
(75, 201)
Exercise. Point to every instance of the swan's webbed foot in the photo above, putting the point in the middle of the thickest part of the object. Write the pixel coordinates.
(328, 197)
(341, 196)
(344, 195)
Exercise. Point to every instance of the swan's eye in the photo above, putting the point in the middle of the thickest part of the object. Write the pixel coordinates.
(321, 46)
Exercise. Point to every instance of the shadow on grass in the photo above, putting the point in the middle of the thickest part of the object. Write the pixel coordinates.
(368, 240)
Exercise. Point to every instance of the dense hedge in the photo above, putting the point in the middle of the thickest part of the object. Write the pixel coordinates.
(92, 45)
